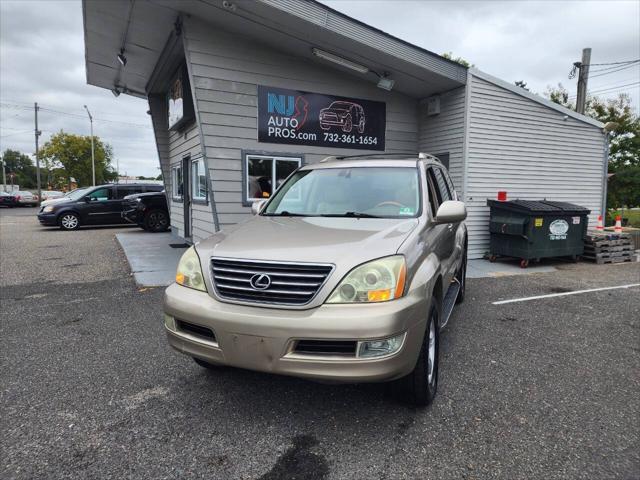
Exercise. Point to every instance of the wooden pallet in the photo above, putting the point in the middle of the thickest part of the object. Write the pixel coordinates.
(592, 255)
(604, 249)
(601, 261)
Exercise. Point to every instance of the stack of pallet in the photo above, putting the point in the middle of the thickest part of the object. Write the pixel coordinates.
(608, 247)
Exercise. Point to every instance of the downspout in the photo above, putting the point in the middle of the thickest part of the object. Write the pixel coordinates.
(465, 137)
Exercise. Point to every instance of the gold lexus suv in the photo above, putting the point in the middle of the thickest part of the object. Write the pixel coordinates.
(348, 273)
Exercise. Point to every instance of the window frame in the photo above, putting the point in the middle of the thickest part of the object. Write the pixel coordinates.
(195, 181)
(248, 154)
(174, 184)
(434, 193)
(444, 187)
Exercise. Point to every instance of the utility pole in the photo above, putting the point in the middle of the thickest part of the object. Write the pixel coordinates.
(4, 175)
(583, 77)
(38, 133)
(93, 157)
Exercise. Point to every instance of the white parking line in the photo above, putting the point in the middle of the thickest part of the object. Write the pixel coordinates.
(576, 292)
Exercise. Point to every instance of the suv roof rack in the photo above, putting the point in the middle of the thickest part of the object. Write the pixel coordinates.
(420, 155)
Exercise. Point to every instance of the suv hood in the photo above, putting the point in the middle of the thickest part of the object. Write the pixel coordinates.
(342, 241)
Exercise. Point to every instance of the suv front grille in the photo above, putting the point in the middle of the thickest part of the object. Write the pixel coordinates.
(287, 283)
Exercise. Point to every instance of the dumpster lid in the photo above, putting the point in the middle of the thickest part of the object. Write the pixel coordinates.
(540, 206)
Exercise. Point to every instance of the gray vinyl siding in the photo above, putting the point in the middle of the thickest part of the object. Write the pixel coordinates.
(226, 71)
(529, 150)
(444, 133)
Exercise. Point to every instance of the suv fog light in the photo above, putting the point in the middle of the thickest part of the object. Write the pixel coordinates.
(170, 322)
(379, 348)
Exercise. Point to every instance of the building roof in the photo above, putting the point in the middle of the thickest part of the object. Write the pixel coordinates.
(141, 29)
(536, 98)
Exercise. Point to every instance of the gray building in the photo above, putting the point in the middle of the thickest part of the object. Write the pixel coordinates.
(242, 92)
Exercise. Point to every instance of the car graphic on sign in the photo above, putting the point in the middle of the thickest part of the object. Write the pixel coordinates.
(345, 115)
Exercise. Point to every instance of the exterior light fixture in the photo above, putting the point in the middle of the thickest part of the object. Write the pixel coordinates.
(229, 6)
(121, 58)
(343, 62)
(386, 83)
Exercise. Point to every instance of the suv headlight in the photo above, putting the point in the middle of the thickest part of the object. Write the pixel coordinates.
(377, 281)
(189, 272)
(48, 209)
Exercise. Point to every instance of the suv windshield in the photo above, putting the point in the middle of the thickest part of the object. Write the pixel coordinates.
(381, 192)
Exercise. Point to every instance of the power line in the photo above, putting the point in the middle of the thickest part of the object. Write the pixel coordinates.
(616, 87)
(619, 69)
(75, 115)
(616, 63)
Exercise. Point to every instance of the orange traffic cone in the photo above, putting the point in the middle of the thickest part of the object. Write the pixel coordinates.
(600, 226)
(618, 227)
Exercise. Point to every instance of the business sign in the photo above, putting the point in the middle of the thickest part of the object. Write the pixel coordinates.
(302, 118)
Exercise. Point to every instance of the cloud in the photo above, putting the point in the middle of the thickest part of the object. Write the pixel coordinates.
(532, 41)
(42, 59)
(45, 63)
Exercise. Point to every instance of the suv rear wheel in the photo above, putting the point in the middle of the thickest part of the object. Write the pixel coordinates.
(461, 276)
(420, 386)
(69, 221)
(156, 221)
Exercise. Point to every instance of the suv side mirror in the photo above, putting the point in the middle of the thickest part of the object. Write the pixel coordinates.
(257, 206)
(87, 199)
(451, 211)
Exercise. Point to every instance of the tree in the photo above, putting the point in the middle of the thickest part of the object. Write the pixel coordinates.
(22, 166)
(68, 156)
(624, 142)
(460, 60)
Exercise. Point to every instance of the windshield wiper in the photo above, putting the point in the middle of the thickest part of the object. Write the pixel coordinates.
(285, 214)
(351, 214)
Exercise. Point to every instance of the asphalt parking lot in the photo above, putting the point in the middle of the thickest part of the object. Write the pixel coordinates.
(542, 389)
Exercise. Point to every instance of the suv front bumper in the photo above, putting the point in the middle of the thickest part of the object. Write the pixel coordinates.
(262, 339)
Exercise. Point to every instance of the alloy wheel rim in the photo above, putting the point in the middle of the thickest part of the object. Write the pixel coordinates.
(431, 354)
(69, 221)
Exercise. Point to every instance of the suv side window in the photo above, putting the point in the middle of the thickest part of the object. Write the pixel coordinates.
(445, 194)
(435, 199)
(123, 191)
(101, 195)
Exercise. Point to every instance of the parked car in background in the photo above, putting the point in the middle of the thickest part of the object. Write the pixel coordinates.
(8, 200)
(100, 205)
(348, 273)
(147, 210)
(51, 194)
(26, 199)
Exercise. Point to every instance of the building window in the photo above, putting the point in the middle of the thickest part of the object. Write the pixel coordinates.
(199, 180)
(263, 174)
(176, 183)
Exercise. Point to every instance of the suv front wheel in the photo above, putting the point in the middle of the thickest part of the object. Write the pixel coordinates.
(420, 386)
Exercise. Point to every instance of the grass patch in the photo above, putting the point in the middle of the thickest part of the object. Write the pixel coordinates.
(632, 215)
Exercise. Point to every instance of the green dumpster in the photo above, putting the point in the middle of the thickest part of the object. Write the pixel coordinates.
(535, 229)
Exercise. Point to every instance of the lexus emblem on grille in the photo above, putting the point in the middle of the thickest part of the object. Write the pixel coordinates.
(260, 281)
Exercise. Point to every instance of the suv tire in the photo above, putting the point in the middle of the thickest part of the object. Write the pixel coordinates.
(69, 221)
(156, 221)
(419, 388)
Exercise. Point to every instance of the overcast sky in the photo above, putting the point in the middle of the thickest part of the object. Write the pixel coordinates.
(42, 59)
